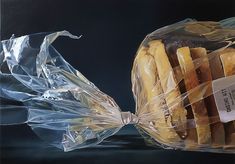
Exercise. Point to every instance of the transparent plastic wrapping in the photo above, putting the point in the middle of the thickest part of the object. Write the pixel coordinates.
(183, 81)
(60, 104)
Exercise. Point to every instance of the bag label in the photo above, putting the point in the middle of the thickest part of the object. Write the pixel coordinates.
(224, 94)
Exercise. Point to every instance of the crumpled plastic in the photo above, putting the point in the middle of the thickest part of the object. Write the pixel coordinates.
(70, 112)
(62, 106)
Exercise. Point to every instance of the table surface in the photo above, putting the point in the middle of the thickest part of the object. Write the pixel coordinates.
(127, 146)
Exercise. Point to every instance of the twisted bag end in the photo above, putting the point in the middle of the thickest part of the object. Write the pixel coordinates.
(129, 118)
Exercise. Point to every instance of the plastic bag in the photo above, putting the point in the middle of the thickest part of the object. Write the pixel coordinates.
(180, 76)
(183, 81)
(61, 105)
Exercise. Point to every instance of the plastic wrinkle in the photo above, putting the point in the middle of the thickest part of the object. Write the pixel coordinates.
(172, 87)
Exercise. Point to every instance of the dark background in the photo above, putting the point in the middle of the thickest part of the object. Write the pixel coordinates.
(112, 31)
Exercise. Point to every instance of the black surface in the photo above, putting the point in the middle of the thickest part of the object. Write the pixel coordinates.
(125, 147)
(112, 31)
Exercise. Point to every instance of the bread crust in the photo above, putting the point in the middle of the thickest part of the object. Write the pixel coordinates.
(204, 75)
(170, 87)
(159, 127)
(198, 108)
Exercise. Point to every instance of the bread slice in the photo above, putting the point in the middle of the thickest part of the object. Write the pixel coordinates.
(204, 75)
(198, 108)
(159, 126)
(170, 87)
(228, 61)
(139, 86)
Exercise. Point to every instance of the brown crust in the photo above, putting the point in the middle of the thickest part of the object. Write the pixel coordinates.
(204, 75)
(216, 66)
(170, 88)
(198, 108)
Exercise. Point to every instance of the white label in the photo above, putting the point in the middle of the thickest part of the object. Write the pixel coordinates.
(224, 93)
